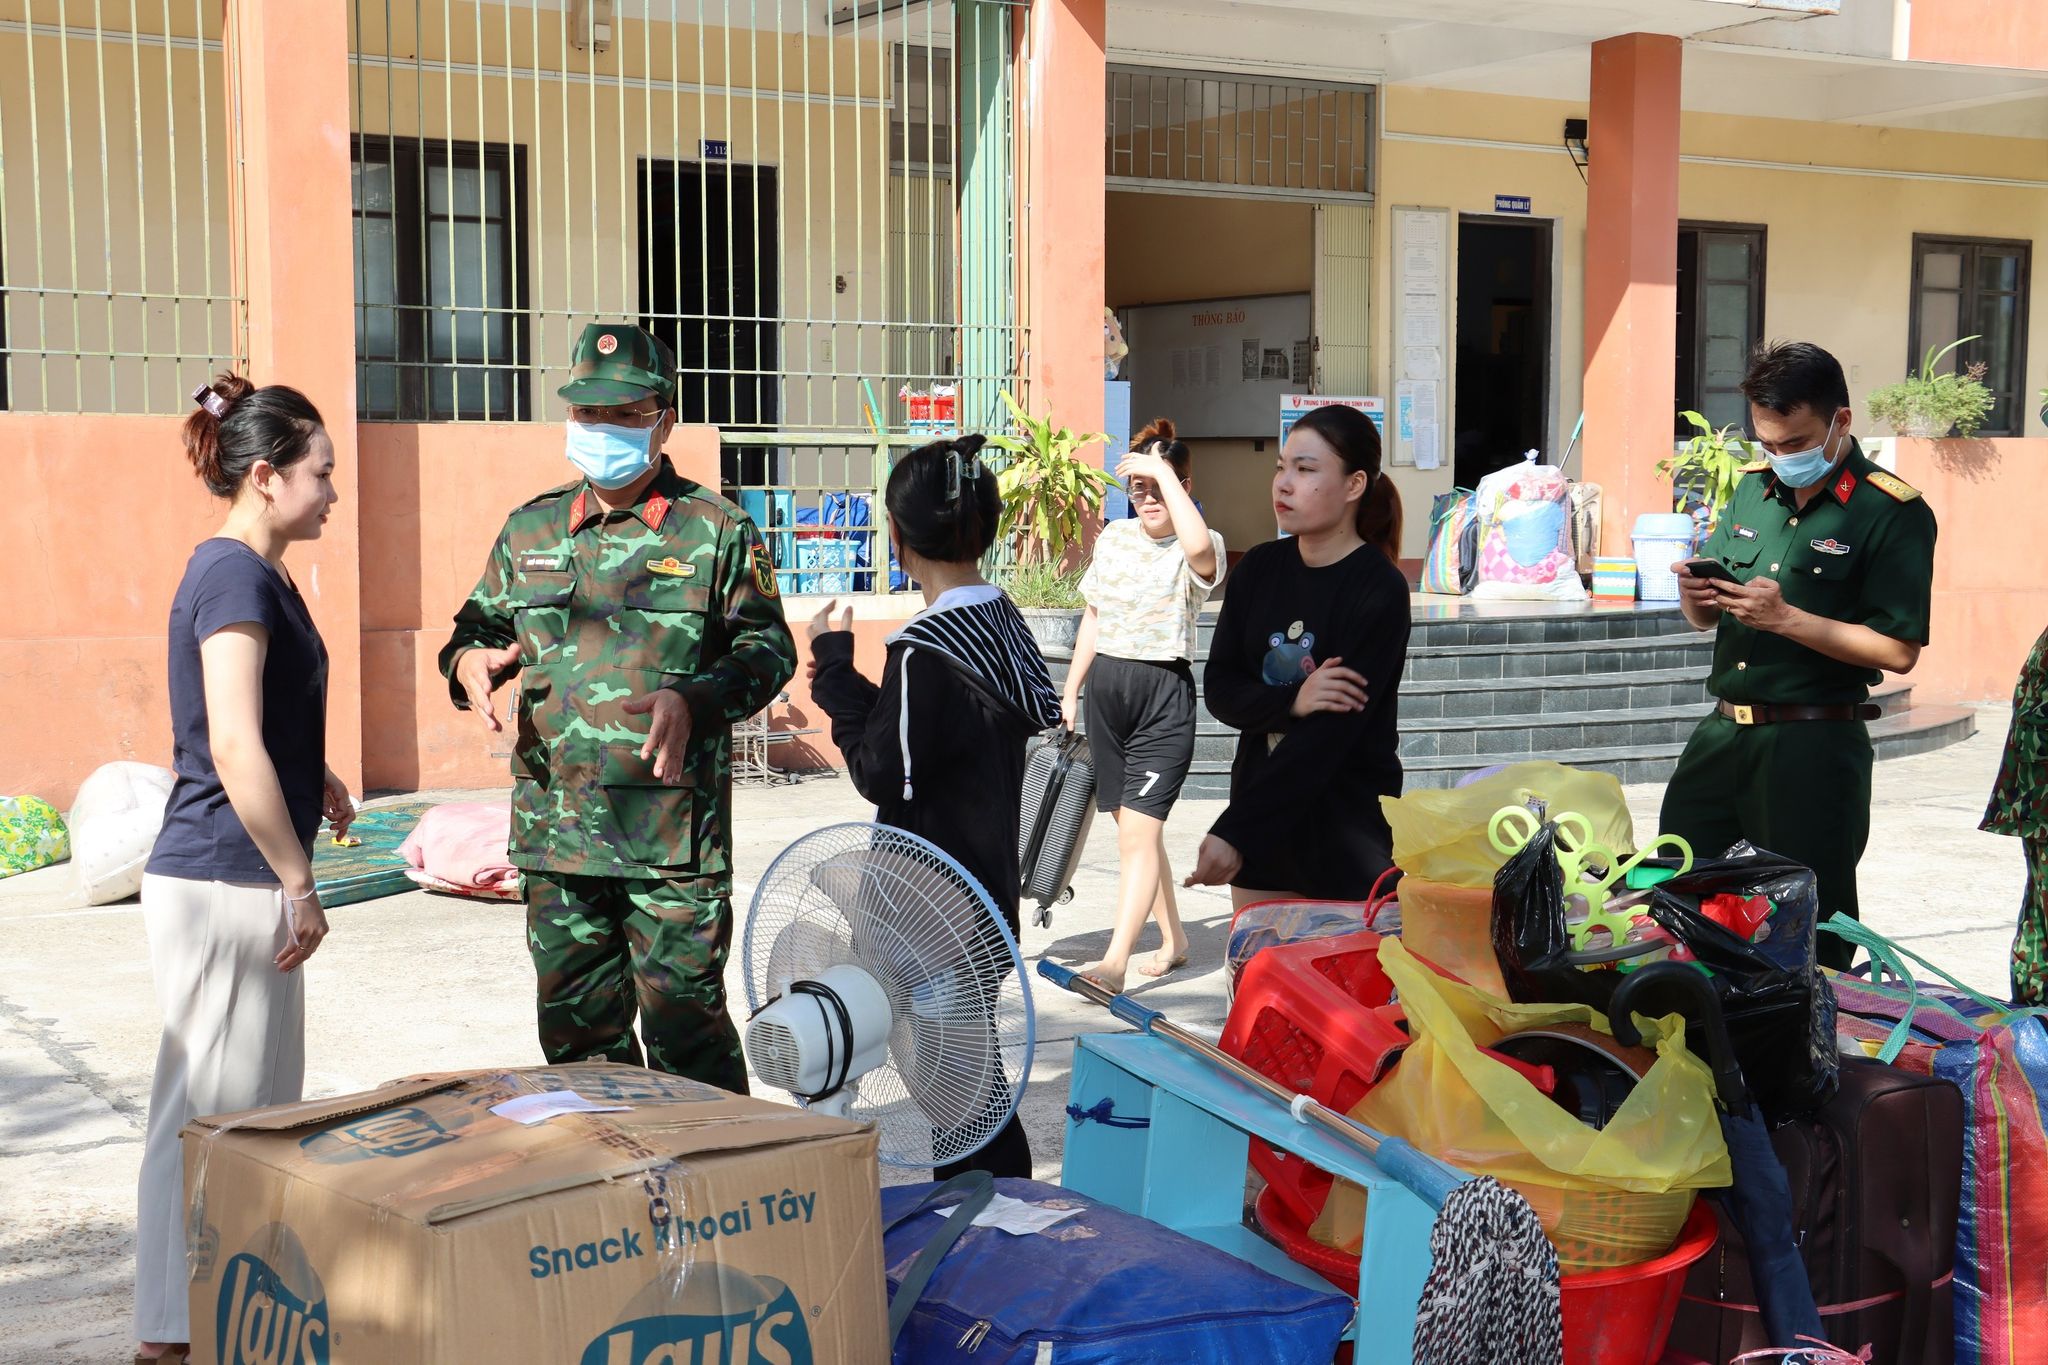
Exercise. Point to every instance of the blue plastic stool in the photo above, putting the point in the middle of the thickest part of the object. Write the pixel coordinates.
(1185, 1168)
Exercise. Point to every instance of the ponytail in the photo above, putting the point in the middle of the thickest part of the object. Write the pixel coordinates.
(236, 424)
(1379, 516)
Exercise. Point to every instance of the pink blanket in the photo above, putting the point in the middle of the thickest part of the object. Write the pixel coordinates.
(462, 847)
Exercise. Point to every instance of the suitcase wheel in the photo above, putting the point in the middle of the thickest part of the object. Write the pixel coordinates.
(1043, 917)
(1067, 896)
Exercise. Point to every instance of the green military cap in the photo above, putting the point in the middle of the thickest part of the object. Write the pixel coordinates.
(616, 363)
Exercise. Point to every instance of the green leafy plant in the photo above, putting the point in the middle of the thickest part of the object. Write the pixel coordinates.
(1048, 491)
(1042, 584)
(1930, 404)
(1710, 464)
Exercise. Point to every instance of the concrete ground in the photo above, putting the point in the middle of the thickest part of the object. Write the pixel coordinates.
(420, 982)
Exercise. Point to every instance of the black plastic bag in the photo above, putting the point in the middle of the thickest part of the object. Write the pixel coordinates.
(1780, 1009)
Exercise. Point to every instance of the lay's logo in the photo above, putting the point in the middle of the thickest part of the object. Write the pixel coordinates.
(751, 1321)
(404, 1131)
(261, 1320)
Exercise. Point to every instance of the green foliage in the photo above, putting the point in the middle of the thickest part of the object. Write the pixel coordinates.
(1930, 404)
(1042, 583)
(1711, 462)
(1048, 492)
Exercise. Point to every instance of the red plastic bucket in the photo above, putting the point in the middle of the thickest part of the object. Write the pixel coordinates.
(1611, 1317)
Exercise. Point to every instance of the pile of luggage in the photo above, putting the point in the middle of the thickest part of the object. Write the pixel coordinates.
(1881, 1148)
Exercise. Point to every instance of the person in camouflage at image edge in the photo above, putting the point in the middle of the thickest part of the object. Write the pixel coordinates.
(639, 611)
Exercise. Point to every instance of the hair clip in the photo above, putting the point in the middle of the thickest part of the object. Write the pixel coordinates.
(206, 398)
(957, 469)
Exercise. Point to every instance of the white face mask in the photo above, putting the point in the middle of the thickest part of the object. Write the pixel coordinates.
(610, 456)
(1805, 468)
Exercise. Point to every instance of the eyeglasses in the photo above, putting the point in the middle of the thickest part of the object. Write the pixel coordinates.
(614, 417)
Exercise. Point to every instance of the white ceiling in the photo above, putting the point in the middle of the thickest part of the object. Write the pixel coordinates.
(1739, 59)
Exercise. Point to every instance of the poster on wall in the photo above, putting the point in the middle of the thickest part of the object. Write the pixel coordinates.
(1421, 293)
(1217, 367)
(1293, 405)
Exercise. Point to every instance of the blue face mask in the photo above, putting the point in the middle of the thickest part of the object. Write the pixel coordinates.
(610, 456)
(1805, 468)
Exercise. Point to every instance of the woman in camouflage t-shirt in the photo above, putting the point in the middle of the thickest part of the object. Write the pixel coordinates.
(1145, 589)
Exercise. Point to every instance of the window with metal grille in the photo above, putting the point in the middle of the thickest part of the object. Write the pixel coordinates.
(440, 281)
(1720, 320)
(118, 202)
(920, 119)
(1966, 287)
(1225, 134)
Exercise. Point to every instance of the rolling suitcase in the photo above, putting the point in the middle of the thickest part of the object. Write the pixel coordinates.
(1058, 808)
(1875, 1177)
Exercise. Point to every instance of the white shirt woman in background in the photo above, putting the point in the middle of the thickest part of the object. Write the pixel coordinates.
(1144, 589)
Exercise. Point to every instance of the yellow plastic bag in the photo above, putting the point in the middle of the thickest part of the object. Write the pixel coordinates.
(1441, 835)
(1610, 1197)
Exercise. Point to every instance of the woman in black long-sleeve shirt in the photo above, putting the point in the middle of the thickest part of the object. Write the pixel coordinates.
(1306, 663)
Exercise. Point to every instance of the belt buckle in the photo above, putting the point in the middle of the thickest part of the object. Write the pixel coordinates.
(1744, 716)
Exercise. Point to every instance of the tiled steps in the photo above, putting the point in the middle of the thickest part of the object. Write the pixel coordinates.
(1616, 692)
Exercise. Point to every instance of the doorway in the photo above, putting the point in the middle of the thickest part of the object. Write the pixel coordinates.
(709, 287)
(1503, 340)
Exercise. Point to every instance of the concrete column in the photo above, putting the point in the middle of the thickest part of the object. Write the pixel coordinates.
(1065, 71)
(291, 136)
(1631, 276)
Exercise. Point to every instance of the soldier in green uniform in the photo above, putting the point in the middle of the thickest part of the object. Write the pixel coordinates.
(1832, 561)
(639, 611)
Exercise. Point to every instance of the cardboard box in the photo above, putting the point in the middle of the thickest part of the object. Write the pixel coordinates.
(410, 1225)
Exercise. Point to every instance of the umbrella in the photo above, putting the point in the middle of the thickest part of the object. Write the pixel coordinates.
(1759, 1201)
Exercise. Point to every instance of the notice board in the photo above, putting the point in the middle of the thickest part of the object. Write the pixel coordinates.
(1218, 367)
(1421, 335)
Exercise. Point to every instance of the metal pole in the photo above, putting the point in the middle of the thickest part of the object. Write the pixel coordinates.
(1431, 1180)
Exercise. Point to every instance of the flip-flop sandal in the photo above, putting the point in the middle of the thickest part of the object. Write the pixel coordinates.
(177, 1355)
(1155, 972)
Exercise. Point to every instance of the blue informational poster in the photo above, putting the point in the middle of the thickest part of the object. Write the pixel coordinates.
(1293, 405)
(1116, 420)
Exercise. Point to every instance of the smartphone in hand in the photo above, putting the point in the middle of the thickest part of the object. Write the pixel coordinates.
(1712, 569)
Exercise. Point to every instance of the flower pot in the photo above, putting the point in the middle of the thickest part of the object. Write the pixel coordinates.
(1928, 428)
(1054, 628)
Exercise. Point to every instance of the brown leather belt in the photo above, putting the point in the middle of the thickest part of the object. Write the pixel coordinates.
(1772, 713)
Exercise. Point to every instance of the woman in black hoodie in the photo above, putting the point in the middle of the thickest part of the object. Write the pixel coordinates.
(939, 745)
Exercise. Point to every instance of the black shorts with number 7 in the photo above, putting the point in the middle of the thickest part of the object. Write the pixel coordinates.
(1141, 732)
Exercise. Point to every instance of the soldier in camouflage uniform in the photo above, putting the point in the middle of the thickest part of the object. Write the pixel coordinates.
(639, 611)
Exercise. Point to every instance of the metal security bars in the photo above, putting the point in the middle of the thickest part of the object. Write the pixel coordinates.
(798, 199)
(1220, 134)
(118, 291)
(815, 205)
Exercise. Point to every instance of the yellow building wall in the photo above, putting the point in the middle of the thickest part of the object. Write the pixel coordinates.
(1166, 248)
(92, 130)
(1838, 247)
(114, 200)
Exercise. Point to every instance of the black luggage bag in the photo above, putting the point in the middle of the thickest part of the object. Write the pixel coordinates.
(1876, 1176)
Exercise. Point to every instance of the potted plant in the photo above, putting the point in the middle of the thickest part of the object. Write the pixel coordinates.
(1705, 470)
(1048, 492)
(1935, 405)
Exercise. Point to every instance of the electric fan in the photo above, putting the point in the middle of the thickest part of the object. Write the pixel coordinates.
(884, 986)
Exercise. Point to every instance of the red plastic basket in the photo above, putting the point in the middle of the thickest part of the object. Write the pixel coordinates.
(1611, 1317)
(1315, 1017)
